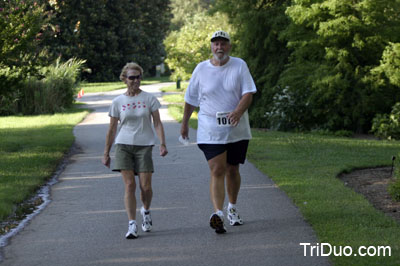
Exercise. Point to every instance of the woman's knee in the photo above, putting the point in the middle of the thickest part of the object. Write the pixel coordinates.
(145, 182)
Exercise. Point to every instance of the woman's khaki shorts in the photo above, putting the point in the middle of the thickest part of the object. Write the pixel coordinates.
(133, 157)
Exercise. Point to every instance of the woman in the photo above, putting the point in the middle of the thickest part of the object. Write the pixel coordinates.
(133, 145)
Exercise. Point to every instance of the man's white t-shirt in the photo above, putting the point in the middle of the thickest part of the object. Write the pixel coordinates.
(134, 114)
(219, 89)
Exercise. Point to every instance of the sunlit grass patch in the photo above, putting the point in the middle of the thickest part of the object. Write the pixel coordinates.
(30, 149)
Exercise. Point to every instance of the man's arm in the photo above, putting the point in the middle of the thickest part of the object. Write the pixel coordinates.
(243, 105)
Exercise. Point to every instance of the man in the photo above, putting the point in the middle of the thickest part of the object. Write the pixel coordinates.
(223, 89)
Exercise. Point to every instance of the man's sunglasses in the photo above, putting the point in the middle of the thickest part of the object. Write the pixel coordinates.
(135, 77)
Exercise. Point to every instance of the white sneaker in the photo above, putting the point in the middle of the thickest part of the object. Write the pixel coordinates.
(217, 223)
(233, 217)
(147, 223)
(132, 231)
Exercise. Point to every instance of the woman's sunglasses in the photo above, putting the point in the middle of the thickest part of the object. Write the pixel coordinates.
(135, 77)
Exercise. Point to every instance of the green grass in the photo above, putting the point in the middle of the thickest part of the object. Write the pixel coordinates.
(175, 108)
(110, 86)
(30, 149)
(306, 166)
(173, 88)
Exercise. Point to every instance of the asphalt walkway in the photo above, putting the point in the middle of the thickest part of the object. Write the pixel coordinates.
(85, 223)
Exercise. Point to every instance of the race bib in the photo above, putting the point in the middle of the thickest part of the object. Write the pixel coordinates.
(222, 119)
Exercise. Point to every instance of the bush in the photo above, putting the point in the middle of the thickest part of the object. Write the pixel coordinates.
(289, 110)
(10, 80)
(387, 126)
(53, 91)
(394, 188)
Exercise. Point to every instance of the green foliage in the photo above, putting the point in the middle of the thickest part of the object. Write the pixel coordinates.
(394, 187)
(107, 34)
(183, 11)
(344, 41)
(258, 26)
(55, 92)
(22, 25)
(337, 59)
(191, 44)
(10, 80)
(394, 190)
(387, 126)
(390, 63)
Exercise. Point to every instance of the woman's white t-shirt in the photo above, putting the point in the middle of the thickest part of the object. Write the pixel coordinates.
(219, 89)
(134, 114)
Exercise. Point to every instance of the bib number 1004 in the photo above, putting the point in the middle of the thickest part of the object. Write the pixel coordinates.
(223, 120)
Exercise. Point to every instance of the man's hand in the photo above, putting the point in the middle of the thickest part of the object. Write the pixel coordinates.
(234, 118)
(185, 131)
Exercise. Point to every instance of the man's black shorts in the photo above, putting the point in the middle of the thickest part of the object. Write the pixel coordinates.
(236, 151)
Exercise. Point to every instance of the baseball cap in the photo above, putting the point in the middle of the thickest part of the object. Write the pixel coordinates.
(220, 34)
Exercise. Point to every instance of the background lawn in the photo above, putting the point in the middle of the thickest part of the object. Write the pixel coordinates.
(31, 148)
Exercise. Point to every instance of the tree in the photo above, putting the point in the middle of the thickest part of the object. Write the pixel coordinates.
(183, 11)
(339, 43)
(22, 24)
(191, 44)
(107, 34)
(258, 27)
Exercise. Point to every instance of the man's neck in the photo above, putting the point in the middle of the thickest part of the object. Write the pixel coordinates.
(217, 62)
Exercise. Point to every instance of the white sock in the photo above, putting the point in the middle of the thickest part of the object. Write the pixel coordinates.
(230, 206)
(220, 213)
(132, 222)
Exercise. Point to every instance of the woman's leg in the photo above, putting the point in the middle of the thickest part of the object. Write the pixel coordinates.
(129, 198)
(146, 191)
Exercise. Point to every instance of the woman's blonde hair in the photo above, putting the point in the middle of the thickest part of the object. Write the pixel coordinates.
(132, 66)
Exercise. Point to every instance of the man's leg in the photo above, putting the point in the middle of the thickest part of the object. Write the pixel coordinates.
(217, 183)
(146, 191)
(129, 198)
(233, 181)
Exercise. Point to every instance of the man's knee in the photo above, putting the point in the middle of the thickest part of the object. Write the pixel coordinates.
(233, 170)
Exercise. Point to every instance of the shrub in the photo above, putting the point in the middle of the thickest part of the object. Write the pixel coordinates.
(394, 188)
(289, 110)
(387, 126)
(10, 80)
(54, 92)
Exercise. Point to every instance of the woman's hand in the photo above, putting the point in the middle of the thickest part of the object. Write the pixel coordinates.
(106, 160)
(163, 150)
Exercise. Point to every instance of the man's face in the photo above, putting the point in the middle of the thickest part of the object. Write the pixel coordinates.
(220, 48)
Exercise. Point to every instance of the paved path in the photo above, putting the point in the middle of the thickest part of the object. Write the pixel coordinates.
(85, 223)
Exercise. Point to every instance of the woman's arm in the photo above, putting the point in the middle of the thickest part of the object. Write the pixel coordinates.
(160, 132)
(112, 130)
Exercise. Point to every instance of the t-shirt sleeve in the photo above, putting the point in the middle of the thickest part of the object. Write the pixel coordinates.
(114, 110)
(247, 82)
(155, 104)
(192, 91)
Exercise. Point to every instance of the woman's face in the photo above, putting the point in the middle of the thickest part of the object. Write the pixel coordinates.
(133, 78)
